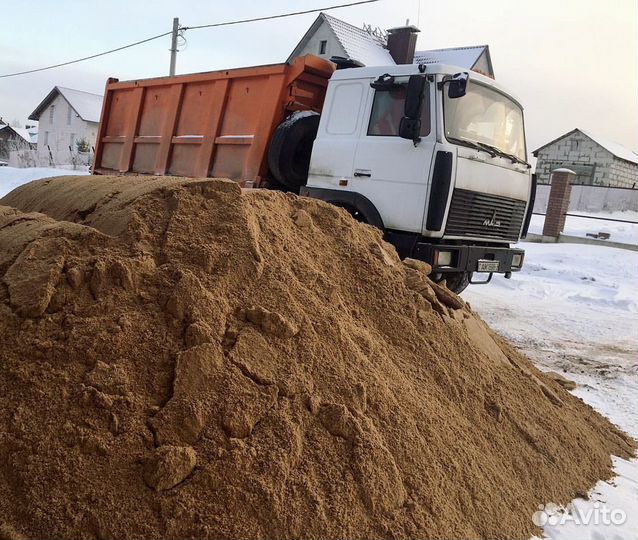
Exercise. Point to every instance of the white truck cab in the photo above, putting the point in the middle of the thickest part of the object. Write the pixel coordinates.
(432, 155)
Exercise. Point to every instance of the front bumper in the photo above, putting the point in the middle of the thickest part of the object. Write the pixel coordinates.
(467, 258)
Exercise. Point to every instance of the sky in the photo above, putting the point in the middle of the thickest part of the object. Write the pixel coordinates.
(571, 63)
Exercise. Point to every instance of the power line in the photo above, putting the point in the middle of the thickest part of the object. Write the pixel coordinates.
(227, 23)
(87, 57)
(279, 16)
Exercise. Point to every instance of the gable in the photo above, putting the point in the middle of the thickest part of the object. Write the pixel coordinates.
(87, 106)
(476, 58)
(311, 42)
(483, 65)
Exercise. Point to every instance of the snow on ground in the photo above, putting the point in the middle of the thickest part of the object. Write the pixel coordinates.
(574, 309)
(625, 233)
(12, 177)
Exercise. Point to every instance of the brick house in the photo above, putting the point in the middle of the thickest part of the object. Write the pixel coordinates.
(595, 160)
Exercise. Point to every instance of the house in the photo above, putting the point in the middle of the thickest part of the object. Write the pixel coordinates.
(595, 160)
(476, 58)
(68, 124)
(329, 36)
(32, 129)
(13, 139)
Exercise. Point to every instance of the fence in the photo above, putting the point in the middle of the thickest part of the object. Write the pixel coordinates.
(33, 158)
(591, 199)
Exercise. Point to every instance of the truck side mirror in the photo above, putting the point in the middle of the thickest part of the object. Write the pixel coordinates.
(458, 85)
(410, 125)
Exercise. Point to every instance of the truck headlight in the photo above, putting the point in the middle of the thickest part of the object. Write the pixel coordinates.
(517, 260)
(442, 258)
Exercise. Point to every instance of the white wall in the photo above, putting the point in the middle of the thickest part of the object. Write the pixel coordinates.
(60, 130)
(333, 47)
(592, 199)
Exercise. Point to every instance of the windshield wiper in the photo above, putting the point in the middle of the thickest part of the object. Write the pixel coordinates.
(491, 150)
(471, 144)
(511, 157)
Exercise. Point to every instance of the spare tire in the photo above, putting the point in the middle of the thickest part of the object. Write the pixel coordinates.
(291, 148)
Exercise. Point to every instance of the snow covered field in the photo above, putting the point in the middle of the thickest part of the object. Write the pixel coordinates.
(12, 177)
(625, 233)
(574, 309)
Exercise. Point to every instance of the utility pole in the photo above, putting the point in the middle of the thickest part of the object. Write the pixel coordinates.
(174, 46)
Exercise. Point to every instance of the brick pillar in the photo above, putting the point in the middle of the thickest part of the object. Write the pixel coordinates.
(558, 202)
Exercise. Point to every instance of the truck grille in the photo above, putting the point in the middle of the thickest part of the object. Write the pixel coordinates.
(484, 216)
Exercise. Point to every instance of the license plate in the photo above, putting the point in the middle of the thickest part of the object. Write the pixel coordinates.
(487, 266)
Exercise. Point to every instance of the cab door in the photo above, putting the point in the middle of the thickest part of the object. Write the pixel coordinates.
(390, 171)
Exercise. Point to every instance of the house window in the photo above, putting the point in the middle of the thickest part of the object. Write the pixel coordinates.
(46, 138)
(322, 46)
(69, 113)
(387, 111)
(51, 110)
(72, 141)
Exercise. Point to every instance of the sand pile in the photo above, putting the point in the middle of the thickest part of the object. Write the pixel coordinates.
(189, 360)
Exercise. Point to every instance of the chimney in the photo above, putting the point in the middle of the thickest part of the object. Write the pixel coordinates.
(402, 42)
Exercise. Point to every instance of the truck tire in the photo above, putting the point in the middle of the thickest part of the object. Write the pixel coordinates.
(457, 282)
(291, 148)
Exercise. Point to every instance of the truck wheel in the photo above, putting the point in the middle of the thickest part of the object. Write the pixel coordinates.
(291, 147)
(457, 282)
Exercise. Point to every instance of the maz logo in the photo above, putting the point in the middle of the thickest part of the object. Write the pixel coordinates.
(492, 222)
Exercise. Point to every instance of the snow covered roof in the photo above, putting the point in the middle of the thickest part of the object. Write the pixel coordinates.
(88, 106)
(359, 44)
(356, 42)
(454, 56)
(616, 149)
(23, 133)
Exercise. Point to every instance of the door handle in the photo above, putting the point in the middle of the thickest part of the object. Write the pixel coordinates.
(363, 172)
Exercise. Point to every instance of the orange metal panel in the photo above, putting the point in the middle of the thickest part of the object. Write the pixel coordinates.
(129, 129)
(212, 126)
(217, 123)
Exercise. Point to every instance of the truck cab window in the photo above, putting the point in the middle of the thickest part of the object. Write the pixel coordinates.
(387, 111)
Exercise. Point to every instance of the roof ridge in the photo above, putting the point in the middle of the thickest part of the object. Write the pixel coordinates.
(361, 31)
(336, 34)
(454, 48)
(76, 90)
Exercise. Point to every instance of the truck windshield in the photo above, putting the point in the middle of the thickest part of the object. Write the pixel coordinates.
(485, 116)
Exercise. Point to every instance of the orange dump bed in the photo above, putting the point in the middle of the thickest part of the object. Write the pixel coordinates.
(205, 124)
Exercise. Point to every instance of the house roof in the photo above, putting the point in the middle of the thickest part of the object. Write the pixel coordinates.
(371, 50)
(466, 57)
(356, 42)
(88, 106)
(616, 149)
(21, 132)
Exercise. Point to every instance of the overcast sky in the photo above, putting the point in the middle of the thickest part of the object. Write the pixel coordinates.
(572, 63)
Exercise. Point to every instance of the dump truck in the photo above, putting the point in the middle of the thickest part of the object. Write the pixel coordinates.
(432, 155)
